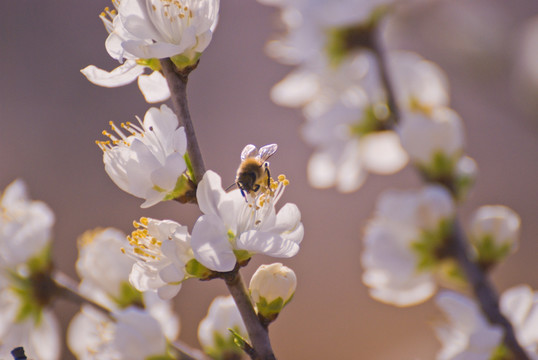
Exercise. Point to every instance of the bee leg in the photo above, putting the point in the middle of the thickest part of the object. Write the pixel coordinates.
(256, 187)
(268, 176)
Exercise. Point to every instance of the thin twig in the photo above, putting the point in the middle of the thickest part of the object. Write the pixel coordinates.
(258, 334)
(188, 353)
(384, 74)
(177, 82)
(68, 288)
(484, 291)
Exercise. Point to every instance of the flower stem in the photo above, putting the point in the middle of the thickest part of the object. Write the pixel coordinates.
(258, 334)
(484, 291)
(68, 289)
(177, 83)
(379, 54)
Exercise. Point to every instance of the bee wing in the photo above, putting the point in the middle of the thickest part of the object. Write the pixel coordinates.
(267, 151)
(248, 151)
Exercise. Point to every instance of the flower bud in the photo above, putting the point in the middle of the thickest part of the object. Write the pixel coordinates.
(494, 232)
(272, 287)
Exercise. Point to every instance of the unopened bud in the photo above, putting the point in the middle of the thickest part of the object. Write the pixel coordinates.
(272, 287)
(494, 232)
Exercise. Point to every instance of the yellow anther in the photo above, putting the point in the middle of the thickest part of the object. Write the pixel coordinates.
(122, 250)
(114, 12)
(286, 182)
(281, 177)
(136, 224)
(102, 14)
(144, 220)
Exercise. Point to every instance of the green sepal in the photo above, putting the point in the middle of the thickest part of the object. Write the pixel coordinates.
(181, 188)
(242, 255)
(29, 304)
(488, 252)
(429, 247)
(197, 270)
(128, 296)
(238, 339)
(452, 272)
(182, 61)
(501, 352)
(269, 310)
(342, 41)
(153, 63)
(371, 121)
(190, 169)
(42, 261)
(225, 346)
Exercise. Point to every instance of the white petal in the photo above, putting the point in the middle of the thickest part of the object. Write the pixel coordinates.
(122, 75)
(382, 153)
(321, 170)
(167, 292)
(154, 87)
(267, 243)
(210, 244)
(171, 274)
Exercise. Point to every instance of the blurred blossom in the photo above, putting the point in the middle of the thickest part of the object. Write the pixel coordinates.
(494, 232)
(25, 317)
(148, 163)
(271, 288)
(440, 134)
(233, 229)
(349, 145)
(132, 334)
(419, 85)
(402, 244)
(161, 249)
(102, 268)
(213, 334)
(467, 334)
(25, 226)
(520, 305)
(39, 334)
(153, 87)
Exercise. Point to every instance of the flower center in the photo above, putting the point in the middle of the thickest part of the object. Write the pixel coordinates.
(170, 17)
(120, 138)
(145, 246)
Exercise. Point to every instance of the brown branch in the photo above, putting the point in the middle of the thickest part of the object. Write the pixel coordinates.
(258, 334)
(384, 74)
(177, 83)
(484, 291)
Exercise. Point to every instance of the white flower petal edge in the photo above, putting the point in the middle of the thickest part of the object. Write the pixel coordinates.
(154, 87)
(231, 223)
(122, 75)
(148, 162)
(467, 334)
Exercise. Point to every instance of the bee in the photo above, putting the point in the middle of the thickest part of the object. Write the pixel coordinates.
(254, 169)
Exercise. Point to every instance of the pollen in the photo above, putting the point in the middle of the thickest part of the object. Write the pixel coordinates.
(145, 246)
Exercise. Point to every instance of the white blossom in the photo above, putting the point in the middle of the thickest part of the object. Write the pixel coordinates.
(520, 305)
(149, 162)
(153, 87)
(425, 137)
(221, 316)
(25, 225)
(398, 266)
(161, 249)
(467, 335)
(495, 223)
(271, 288)
(348, 147)
(133, 334)
(160, 28)
(231, 223)
(102, 268)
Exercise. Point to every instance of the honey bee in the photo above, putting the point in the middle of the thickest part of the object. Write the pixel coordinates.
(254, 169)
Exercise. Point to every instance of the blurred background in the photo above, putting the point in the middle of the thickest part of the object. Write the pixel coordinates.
(50, 117)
